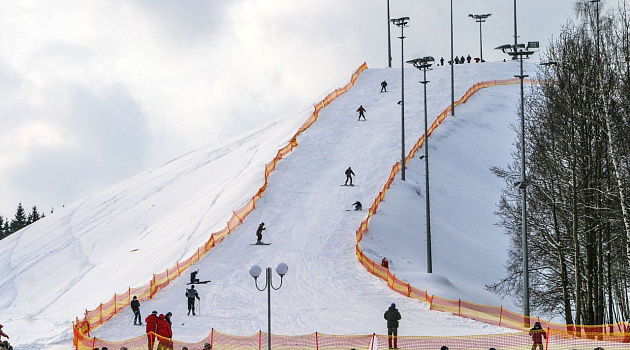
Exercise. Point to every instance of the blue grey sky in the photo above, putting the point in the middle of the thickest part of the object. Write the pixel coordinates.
(94, 92)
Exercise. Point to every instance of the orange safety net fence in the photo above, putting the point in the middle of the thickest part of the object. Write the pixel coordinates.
(495, 315)
(319, 341)
(105, 311)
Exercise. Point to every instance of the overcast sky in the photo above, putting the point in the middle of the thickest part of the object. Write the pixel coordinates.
(94, 92)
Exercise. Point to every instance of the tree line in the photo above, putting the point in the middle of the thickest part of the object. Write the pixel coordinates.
(19, 221)
(578, 175)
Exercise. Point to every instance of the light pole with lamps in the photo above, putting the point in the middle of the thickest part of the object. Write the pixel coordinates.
(424, 64)
(389, 39)
(453, 67)
(402, 23)
(480, 19)
(521, 51)
(254, 271)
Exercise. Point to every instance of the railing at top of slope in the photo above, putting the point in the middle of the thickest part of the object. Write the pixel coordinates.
(105, 311)
(495, 315)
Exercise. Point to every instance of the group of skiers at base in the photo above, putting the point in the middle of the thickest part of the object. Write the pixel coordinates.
(160, 325)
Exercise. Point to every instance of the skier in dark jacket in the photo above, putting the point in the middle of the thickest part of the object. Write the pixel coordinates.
(259, 231)
(441, 61)
(191, 294)
(537, 333)
(193, 276)
(357, 205)
(135, 307)
(392, 316)
(151, 326)
(349, 174)
(384, 86)
(361, 111)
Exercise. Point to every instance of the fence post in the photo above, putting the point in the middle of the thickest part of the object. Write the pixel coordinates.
(501, 315)
(316, 341)
(459, 307)
(373, 340)
(178, 272)
(547, 342)
(259, 338)
(211, 337)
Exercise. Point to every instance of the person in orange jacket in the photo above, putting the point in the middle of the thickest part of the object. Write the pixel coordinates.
(165, 332)
(151, 327)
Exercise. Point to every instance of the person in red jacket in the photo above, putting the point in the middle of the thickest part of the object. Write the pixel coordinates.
(2, 334)
(151, 321)
(165, 332)
(537, 333)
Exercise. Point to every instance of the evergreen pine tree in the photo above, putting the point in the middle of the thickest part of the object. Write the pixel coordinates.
(20, 220)
(2, 233)
(33, 216)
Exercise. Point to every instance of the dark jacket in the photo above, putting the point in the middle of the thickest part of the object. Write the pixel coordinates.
(392, 316)
(349, 172)
(135, 305)
(191, 293)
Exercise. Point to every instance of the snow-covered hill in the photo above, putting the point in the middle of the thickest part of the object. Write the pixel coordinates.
(80, 256)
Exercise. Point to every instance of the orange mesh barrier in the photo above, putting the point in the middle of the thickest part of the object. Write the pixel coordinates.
(95, 318)
(495, 315)
(318, 341)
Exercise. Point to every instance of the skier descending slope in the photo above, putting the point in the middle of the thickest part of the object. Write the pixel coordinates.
(191, 294)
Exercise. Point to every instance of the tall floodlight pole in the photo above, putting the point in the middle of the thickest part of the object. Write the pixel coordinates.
(520, 51)
(424, 64)
(453, 66)
(389, 39)
(402, 23)
(515, 30)
(480, 19)
(254, 271)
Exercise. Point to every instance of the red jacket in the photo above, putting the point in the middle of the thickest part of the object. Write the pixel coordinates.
(151, 321)
(537, 335)
(164, 329)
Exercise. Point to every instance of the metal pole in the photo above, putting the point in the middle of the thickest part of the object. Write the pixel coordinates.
(515, 32)
(524, 204)
(480, 42)
(268, 308)
(402, 72)
(453, 66)
(389, 38)
(426, 165)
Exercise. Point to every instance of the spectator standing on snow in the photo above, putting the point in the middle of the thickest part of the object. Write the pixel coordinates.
(259, 231)
(468, 58)
(151, 328)
(135, 307)
(361, 111)
(392, 316)
(384, 86)
(349, 174)
(165, 332)
(168, 318)
(537, 333)
(191, 294)
(385, 263)
(441, 61)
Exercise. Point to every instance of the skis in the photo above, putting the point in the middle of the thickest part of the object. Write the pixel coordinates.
(349, 185)
(260, 243)
(200, 282)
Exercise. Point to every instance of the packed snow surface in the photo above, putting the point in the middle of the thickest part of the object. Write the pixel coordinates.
(78, 257)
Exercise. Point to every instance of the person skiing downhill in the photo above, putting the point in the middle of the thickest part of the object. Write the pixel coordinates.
(259, 231)
(191, 294)
(349, 174)
(135, 307)
(384, 86)
(193, 276)
(392, 316)
(361, 111)
(537, 333)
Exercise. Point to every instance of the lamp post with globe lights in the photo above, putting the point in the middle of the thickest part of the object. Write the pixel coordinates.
(255, 271)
